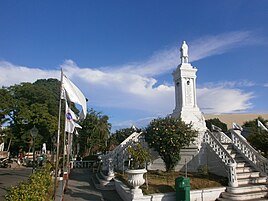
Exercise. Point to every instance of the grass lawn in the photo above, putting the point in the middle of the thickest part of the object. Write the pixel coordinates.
(162, 182)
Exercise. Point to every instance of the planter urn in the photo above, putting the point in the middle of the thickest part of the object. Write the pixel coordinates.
(135, 177)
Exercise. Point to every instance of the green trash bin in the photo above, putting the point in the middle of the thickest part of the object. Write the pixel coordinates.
(182, 186)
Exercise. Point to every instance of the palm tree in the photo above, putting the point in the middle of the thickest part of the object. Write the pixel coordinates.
(102, 132)
(95, 133)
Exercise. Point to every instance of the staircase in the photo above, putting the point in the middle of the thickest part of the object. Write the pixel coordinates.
(119, 155)
(247, 169)
(250, 182)
(251, 185)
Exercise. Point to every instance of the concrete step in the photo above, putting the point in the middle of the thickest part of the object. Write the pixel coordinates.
(244, 169)
(239, 159)
(233, 155)
(102, 184)
(245, 196)
(258, 199)
(245, 175)
(242, 164)
(227, 146)
(247, 188)
(257, 180)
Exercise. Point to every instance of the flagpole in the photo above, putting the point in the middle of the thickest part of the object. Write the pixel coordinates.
(68, 157)
(58, 139)
(64, 148)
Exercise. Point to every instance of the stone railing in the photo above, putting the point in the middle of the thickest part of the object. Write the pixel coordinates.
(119, 154)
(222, 153)
(255, 158)
(222, 137)
(83, 164)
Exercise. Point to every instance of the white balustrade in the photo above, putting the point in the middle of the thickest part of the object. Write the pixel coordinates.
(83, 164)
(118, 155)
(222, 137)
(218, 148)
(254, 157)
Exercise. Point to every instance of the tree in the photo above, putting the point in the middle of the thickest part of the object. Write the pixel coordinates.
(25, 105)
(102, 130)
(216, 122)
(257, 137)
(121, 134)
(168, 136)
(95, 133)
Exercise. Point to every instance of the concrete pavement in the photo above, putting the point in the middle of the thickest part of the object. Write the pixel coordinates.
(11, 177)
(80, 185)
(81, 188)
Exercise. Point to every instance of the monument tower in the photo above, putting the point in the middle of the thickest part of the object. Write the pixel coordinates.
(185, 92)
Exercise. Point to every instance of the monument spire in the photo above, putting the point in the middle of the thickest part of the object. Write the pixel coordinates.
(185, 92)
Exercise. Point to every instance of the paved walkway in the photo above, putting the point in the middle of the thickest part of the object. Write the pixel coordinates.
(11, 177)
(81, 188)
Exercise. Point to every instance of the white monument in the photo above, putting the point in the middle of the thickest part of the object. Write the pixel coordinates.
(185, 93)
(2, 145)
(44, 148)
(186, 108)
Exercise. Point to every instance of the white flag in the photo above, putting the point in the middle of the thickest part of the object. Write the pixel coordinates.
(69, 119)
(76, 133)
(77, 125)
(260, 125)
(236, 126)
(74, 116)
(75, 95)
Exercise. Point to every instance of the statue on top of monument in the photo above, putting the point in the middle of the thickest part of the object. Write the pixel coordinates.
(184, 52)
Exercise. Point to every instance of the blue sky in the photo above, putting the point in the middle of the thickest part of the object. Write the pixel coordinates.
(121, 53)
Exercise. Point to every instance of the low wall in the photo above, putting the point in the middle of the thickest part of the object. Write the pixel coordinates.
(122, 190)
(210, 194)
(188, 155)
(196, 195)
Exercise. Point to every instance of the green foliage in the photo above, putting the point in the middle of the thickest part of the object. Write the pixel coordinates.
(203, 170)
(95, 133)
(26, 105)
(120, 135)
(38, 187)
(139, 154)
(216, 122)
(168, 136)
(257, 137)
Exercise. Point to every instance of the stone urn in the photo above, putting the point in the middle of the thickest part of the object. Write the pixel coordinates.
(135, 178)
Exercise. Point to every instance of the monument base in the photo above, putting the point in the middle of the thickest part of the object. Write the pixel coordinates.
(191, 116)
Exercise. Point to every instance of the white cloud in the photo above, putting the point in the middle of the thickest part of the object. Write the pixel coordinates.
(161, 62)
(218, 44)
(13, 74)
(221, 100)
(116, 89)
(135, 87)
(121, 89)
(230, 84)
(166, 60)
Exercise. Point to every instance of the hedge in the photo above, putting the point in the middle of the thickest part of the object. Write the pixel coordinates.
(38, 187)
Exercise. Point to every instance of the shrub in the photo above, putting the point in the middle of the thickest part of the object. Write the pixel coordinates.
(168, 136)
(139, 154)
(38, 187)
(216, 122)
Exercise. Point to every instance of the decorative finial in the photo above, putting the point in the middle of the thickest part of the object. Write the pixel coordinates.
(184, 52)
(134, 128)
